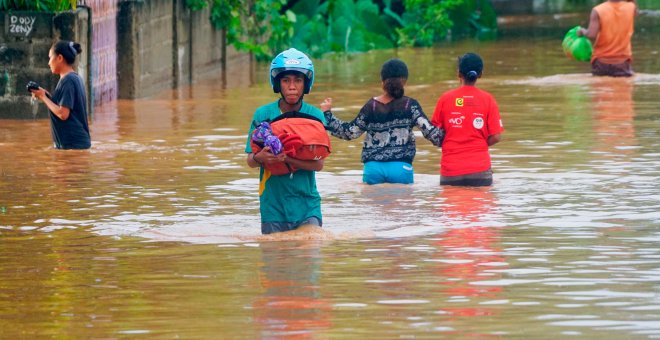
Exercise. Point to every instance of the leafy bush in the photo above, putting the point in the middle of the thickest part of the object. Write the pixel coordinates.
(341, 26)
(321, 26)
(244, 23)
(425, 21)
(474, 18)
(38, 5)
(361, 25)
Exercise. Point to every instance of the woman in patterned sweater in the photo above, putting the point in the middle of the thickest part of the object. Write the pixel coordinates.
(389, 146)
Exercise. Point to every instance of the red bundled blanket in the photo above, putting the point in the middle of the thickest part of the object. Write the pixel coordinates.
(303, 137)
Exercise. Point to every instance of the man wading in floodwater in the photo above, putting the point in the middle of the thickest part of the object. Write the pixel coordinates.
(611, 27)
(287, 202)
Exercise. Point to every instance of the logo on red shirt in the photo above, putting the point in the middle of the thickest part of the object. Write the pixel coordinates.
(459, 102)
(478, 123)
(456, 121)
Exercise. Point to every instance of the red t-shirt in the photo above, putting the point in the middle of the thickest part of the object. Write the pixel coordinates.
(469, 116)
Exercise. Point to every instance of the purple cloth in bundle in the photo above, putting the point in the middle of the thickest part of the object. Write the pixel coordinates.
(274, 143)
(263, 137)
(261, 132)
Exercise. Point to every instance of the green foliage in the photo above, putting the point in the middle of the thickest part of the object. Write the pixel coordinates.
(648, 4)
(245, 23)
(322, 26)
(263, 39)
(425, 21)
(474, 18)
(38, 5)
(197, 5)
(341, 26)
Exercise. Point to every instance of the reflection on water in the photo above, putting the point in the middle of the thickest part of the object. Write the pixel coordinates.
(155, 229)
(467, 252)
(291, 305)
(614, 116)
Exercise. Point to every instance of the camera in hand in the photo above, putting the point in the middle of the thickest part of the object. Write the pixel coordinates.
(31, 85)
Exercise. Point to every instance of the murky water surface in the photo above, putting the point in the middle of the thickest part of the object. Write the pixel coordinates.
(151, 233)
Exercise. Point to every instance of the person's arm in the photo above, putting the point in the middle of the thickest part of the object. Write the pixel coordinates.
(494, 126)
(340, 128)
(255, 160)
(251, 162)
(594, 27)
(62, 112)
(310, 165)
(434, 134)
(258, 159)
(436, 119)
(494, 139)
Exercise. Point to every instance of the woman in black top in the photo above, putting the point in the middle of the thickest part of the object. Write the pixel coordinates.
(389, 146)
(68, 103)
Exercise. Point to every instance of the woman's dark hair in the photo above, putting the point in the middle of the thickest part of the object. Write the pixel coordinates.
(470, 67)
(68, 50)
(393, 74)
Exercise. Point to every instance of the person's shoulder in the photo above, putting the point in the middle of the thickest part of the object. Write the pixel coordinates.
(72, 77)
(369, 104)
(484, 92)
(630, 6)
(308, 108)
(411, 100)
(603, 5)
(266, 110)
(267, 107)
(486, 96)
(311, 110)
(608, 5)
(451, 93)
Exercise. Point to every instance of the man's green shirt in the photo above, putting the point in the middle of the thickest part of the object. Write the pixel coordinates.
(286, 198)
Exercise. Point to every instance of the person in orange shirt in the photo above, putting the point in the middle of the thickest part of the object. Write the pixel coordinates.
(611, 27)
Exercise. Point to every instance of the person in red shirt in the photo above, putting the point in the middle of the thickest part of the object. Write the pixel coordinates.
(471, 119)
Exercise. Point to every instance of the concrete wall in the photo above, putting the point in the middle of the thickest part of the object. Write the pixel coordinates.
(163, 45)
(144, 46)
(24, 56)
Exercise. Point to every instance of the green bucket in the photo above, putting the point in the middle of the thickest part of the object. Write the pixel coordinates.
(577, 48)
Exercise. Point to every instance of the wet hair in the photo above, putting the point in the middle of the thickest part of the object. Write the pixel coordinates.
(470, 67)
(68, 50)
(393, 74)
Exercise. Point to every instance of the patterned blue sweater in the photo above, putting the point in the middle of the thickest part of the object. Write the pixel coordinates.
(389, 129)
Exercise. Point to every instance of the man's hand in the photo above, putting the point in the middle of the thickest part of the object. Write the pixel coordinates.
(312, 165)
(265, 156)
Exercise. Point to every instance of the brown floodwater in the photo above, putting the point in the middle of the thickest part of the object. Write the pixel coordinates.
(153, 232)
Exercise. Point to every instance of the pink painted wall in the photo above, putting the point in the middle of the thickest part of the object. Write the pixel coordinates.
(104, 49)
